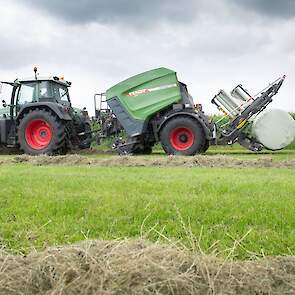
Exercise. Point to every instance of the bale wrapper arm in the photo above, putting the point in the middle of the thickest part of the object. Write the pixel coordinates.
(241, 117)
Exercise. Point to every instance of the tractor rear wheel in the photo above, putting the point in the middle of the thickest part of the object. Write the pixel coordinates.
(41, 132)
(85, 140)
(206, 146)
(182, 136)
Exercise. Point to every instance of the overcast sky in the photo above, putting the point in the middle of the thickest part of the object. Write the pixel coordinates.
(97, 43)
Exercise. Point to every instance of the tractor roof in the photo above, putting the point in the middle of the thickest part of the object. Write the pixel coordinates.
(51, 78)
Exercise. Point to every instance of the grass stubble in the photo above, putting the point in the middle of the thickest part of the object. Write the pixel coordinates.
(149, 257)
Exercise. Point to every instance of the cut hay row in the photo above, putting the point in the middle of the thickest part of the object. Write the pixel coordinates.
(139, 267)
(169, 161)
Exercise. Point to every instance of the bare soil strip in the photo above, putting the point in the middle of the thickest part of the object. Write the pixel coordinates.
(145, 161)
(139, 267)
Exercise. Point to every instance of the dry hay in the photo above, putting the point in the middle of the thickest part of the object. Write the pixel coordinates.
(158, 161)
(139, 267)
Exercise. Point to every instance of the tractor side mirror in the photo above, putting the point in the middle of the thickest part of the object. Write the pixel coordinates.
(4, 103)
(1, 87)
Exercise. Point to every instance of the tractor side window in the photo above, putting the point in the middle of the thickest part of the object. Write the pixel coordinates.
(26, 93)
(60, 93)
(63, 93)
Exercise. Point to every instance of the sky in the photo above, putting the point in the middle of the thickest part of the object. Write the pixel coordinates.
(211, 44)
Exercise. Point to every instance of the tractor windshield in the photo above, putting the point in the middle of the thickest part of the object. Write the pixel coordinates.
(27, 93)
(33, 92)
(42, 91)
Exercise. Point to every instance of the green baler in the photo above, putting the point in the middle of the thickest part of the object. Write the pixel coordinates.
(154, 106)
(147, 93)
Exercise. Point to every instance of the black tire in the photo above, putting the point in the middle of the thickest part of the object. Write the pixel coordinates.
(206, 146)
(182, 135)
(29, 139)
(147, 150)
(85, 141)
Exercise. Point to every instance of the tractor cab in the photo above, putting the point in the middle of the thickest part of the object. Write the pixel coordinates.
(40, 119)
(37, 90)
(51, 89)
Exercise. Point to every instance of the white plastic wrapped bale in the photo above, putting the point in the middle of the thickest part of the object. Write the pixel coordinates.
(275, 129)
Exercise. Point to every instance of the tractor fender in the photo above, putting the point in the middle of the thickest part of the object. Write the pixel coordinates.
(58, 109)
(199, 117)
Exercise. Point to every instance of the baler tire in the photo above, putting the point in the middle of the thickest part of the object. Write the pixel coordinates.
(182, 135)
(31, 127)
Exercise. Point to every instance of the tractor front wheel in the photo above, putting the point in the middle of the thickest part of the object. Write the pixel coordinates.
(182, 136)
(41, 132)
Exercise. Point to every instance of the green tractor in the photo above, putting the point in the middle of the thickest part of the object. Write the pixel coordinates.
(40, 118)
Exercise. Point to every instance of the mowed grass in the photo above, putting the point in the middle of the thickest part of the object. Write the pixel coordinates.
(235, 151)
(50, 205)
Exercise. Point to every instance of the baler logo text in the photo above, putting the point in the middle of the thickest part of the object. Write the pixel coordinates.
(149, 90)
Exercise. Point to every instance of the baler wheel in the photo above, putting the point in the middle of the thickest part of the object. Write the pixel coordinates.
(182, 135)
(41, 132)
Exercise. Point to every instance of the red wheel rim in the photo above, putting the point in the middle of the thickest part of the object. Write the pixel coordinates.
(181, 138)
(38, 134)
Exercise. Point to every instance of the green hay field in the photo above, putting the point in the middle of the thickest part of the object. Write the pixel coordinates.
(250, 210)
